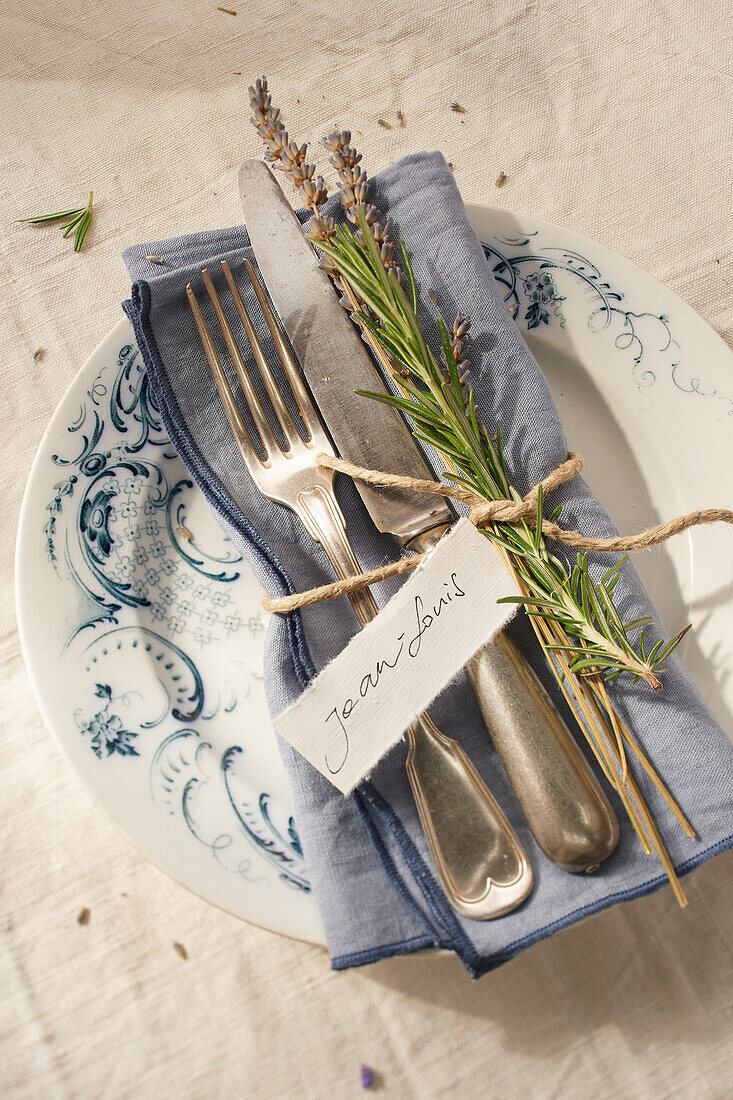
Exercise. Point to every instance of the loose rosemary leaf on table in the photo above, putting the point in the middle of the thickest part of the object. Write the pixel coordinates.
(79, 218)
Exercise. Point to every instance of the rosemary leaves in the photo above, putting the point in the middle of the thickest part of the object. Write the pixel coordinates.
(441, 405)
(79, 218)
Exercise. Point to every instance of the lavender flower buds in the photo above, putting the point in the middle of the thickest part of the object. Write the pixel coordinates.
(299, 173)
(370, 213)
(336, 140)
(314, 192)
(326, 264)
(381, 231)
(351, 176)
(321, 228)
(293, 154)
(459, 340)
(284, 153)
(266, 118)
(276, 143)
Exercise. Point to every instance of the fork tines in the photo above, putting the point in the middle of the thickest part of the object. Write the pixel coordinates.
(300, 394)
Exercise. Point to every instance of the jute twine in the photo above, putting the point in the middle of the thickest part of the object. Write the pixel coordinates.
(484, 512)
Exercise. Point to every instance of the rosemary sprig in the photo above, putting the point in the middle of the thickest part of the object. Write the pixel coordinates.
(41, 218)
(575, 619)
(443, 411)
(79, 218)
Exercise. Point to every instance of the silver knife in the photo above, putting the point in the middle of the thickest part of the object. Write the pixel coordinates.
(565, 808)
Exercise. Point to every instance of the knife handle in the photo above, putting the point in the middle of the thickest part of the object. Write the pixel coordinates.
(569, 815)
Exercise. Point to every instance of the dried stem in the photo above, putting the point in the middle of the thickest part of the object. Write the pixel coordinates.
(363, 265)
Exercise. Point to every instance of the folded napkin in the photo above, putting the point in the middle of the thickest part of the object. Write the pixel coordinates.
(372, 877)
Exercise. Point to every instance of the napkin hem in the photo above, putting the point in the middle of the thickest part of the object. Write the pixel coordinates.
(376, 954)
(443, 915)
(138, 313)
(642, 890)
(486, 963)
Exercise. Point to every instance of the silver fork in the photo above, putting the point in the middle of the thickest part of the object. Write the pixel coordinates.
(481, 863)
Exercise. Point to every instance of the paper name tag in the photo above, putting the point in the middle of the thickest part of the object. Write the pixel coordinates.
(364, 700)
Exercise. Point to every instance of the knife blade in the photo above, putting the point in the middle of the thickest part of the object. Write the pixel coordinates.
(334, 360)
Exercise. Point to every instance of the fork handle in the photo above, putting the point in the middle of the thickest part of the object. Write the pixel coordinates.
(481, 863)
(478, 856)
(319, 511)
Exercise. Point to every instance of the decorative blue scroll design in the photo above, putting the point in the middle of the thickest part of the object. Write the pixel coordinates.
(528, 282)
(528, 285)
(184, 776)
(283, 851)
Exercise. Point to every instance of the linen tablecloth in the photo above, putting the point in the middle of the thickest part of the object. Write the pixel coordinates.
(614, 121)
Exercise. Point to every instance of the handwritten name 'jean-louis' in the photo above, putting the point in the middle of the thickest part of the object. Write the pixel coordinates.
(425, 622)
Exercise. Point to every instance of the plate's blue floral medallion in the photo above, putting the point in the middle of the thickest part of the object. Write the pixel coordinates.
(542, 296)
(106, 731)
(131, 546)
(142, 628)
(529, 272)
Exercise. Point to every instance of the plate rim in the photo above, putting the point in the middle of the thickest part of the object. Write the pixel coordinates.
(477, 213)
(120, 329)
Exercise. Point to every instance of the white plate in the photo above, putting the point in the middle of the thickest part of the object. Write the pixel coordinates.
(143, 632)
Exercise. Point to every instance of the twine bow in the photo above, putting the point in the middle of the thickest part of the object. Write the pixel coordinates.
(484, 512)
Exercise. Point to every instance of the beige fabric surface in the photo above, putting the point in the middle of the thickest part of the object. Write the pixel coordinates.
(613, 119)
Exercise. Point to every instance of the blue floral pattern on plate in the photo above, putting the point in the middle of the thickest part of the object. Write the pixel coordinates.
(119, 522)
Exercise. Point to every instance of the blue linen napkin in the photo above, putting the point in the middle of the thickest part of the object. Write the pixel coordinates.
(371, 874)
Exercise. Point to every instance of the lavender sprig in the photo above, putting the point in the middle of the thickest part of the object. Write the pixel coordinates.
(283, 153)
(575, 619)
(289, 157)
(354, 193)
(458, 341)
